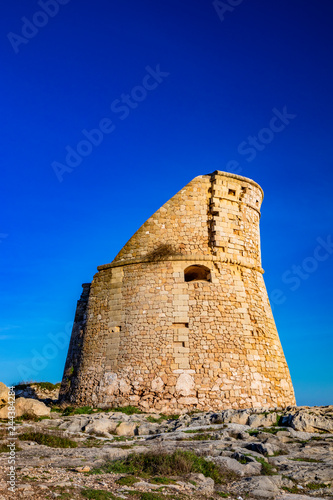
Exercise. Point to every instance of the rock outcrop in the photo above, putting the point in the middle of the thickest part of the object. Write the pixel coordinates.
(255, 460)
(25, 406)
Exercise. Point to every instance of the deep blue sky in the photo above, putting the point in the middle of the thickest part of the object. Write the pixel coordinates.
(225, 78)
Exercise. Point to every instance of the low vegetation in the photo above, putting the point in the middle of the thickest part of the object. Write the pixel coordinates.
(51, 440)
(317, 486)
(127, 480)
(266, 468)
(30, 417)
(83, 410)
(162, 417)
(305, 459)
(42, 385)
(292, 489)
(178, 463)
(162, 480)
(128, 410)
(98, 494)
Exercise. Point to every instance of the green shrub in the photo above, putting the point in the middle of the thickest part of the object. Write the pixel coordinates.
(253, 432)
(48, 440)
(34, 418)
(84, 410)
(316, 486)
(266, 468)
(279, 420)
(127, 480)
(128, 410)
(162, 417)
(5, 449)
(48, 385)
(151, 496)
(293, 489)
(42, 385)
(161, 480)
(97, 494)
(164, 464)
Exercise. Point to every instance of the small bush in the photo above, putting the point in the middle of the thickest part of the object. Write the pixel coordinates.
(162, 480)
(279, 453)
(154, 420)
(5, 449)
(56, 409)
(151, 496)
(316, 486)
(34, 418)
(171, 417)
(163, 464)
(162, 417)
(253, 432)
(266, 468)
(293, 489)
(84, 410)
(48, 440)
(48, 385)
(128, 410)
(97, 494)
(42, 385)
(127, 480)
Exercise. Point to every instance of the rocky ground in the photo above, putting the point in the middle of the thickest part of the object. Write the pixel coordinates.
(279, 454)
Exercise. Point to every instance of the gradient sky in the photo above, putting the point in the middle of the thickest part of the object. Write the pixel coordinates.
(217, 78)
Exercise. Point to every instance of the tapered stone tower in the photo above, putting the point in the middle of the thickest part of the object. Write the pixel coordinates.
(181, 319)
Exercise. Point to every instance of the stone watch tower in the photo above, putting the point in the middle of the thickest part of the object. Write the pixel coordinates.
(181, 319)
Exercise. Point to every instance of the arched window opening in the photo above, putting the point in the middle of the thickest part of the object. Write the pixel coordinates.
(197, 273)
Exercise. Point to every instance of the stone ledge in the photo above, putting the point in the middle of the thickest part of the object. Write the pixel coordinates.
(190, 258)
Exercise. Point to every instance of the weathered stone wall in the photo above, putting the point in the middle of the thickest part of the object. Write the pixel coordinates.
(152, 339)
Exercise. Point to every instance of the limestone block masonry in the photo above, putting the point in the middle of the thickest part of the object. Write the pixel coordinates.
(181, 319)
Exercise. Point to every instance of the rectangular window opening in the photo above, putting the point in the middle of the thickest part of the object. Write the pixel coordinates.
(115, 329)
(232, 192)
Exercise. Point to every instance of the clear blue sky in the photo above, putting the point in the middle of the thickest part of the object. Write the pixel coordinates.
(177, 89)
